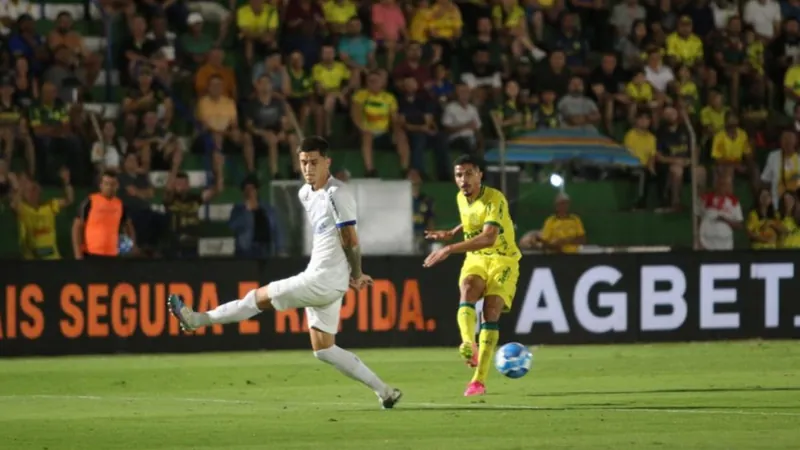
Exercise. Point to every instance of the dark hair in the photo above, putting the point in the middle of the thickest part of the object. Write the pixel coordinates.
(314, 144)
(182, 176)
(110, 173)
(641, 114)
(467, 158)
(250, 180)
(62, 14)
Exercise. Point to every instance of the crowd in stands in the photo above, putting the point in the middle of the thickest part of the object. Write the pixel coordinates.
(672, 79)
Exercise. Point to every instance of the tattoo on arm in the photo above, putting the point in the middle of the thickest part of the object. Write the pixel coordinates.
(353, 255)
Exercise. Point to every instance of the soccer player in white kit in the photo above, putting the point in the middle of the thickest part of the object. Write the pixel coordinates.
(335, 265)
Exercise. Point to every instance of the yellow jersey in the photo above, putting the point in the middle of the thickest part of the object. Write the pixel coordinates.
(642, 144)
(37, 230)
(570, 227)
(377, 108)
(686, 51)
(713, 119)
(641, 93)
(339, 14)
(330, 79)
(489, 208)
(447, 22)
(508, 19)
(730, 149)
(791, 80)
(420, 23)
(755, 56)
(248, 20)
(689, 93)
(762, 227)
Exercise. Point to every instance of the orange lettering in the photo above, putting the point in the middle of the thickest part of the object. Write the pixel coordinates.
(290, 316)
(152, 324)
(383, 319)
(11, 313)
(185, 291)
(363, 309)
(248, 326)
(72, 326)
(348, 307)
(123, 310)
(33, 327)
(95, 309)
(208, 301)
(411, 307)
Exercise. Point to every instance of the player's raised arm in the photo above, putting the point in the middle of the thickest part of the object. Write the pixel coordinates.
(344, 213)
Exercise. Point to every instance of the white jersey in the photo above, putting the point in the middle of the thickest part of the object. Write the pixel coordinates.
(328, 209)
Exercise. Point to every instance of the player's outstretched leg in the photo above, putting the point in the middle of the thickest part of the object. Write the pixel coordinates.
(233, 311)
(489, 336)
(471, 290)
(325, 349)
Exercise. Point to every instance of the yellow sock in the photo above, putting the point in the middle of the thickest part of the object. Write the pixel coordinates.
(490, 334)
(467, 321)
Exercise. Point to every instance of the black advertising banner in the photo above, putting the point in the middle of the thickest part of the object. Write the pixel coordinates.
(52, 308)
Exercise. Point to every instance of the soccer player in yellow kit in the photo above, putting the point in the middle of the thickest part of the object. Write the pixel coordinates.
(490, 270)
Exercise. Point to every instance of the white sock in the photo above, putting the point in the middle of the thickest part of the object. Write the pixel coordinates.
(350, 365)
(234, 311)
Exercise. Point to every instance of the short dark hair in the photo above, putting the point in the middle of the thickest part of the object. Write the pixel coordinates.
(314, 144)
(110, 173)
(467, 158)
(250, 180)
(182, 176)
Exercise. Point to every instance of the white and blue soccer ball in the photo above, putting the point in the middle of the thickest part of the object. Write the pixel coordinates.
(513, 360)
(125, 244)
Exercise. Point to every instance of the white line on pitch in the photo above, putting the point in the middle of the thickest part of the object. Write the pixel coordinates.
(428, 405)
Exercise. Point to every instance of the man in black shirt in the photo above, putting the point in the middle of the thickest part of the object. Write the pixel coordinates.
(607, 87)
(157, 147)
(555, 75)
(482, 77)
(135, 51)
(674, 155)
(268, 126)
(183, 206)
(14, 132)
(416, 115)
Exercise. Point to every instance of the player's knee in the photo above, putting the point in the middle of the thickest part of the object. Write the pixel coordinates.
(471, 290)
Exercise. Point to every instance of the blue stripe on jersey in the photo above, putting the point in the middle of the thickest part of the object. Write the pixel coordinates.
(345, 224)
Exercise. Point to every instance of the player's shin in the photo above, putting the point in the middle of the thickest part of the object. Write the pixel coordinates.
(489, 336)
(352, 366)
(467, 321)
(234, 311)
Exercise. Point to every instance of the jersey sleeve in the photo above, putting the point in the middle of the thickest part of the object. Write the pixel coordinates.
(83, 210)
(496, 211)
(344, 207)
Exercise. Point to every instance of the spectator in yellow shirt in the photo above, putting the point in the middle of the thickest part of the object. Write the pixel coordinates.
(374, 113)
(763, 224)
(731, 147)
(641, 95)
(330, 78)
(338, 13)
(421, 20)
(790, 231)
(712, 117)
(257, 22)
(791, 87)
(642, 144)
(217, 113)
(562, 232)
(444, 28)
(37, 219)
(683, 46)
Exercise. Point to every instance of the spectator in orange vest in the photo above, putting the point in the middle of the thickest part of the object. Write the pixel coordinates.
(101, 219)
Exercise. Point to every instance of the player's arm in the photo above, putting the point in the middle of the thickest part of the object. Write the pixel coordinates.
(442, 235)
(78, 226)
(344, 214)
(485, 239)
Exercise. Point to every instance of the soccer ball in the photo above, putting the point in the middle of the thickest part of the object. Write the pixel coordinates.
(513, 360)
(125, 244)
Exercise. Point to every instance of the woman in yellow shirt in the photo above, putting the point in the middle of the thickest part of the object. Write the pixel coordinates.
(686, 89)
(790, 232)
(763, 225)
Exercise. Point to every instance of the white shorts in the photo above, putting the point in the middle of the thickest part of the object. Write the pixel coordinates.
(322, 303)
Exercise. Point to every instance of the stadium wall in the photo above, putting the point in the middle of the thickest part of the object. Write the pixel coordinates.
(58, 308)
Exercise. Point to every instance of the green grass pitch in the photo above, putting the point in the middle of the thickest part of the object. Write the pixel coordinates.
(743, 395)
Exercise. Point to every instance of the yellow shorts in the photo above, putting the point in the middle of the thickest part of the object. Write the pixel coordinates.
(499, 272)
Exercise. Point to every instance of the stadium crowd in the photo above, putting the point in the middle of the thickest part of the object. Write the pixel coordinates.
(411, 77)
